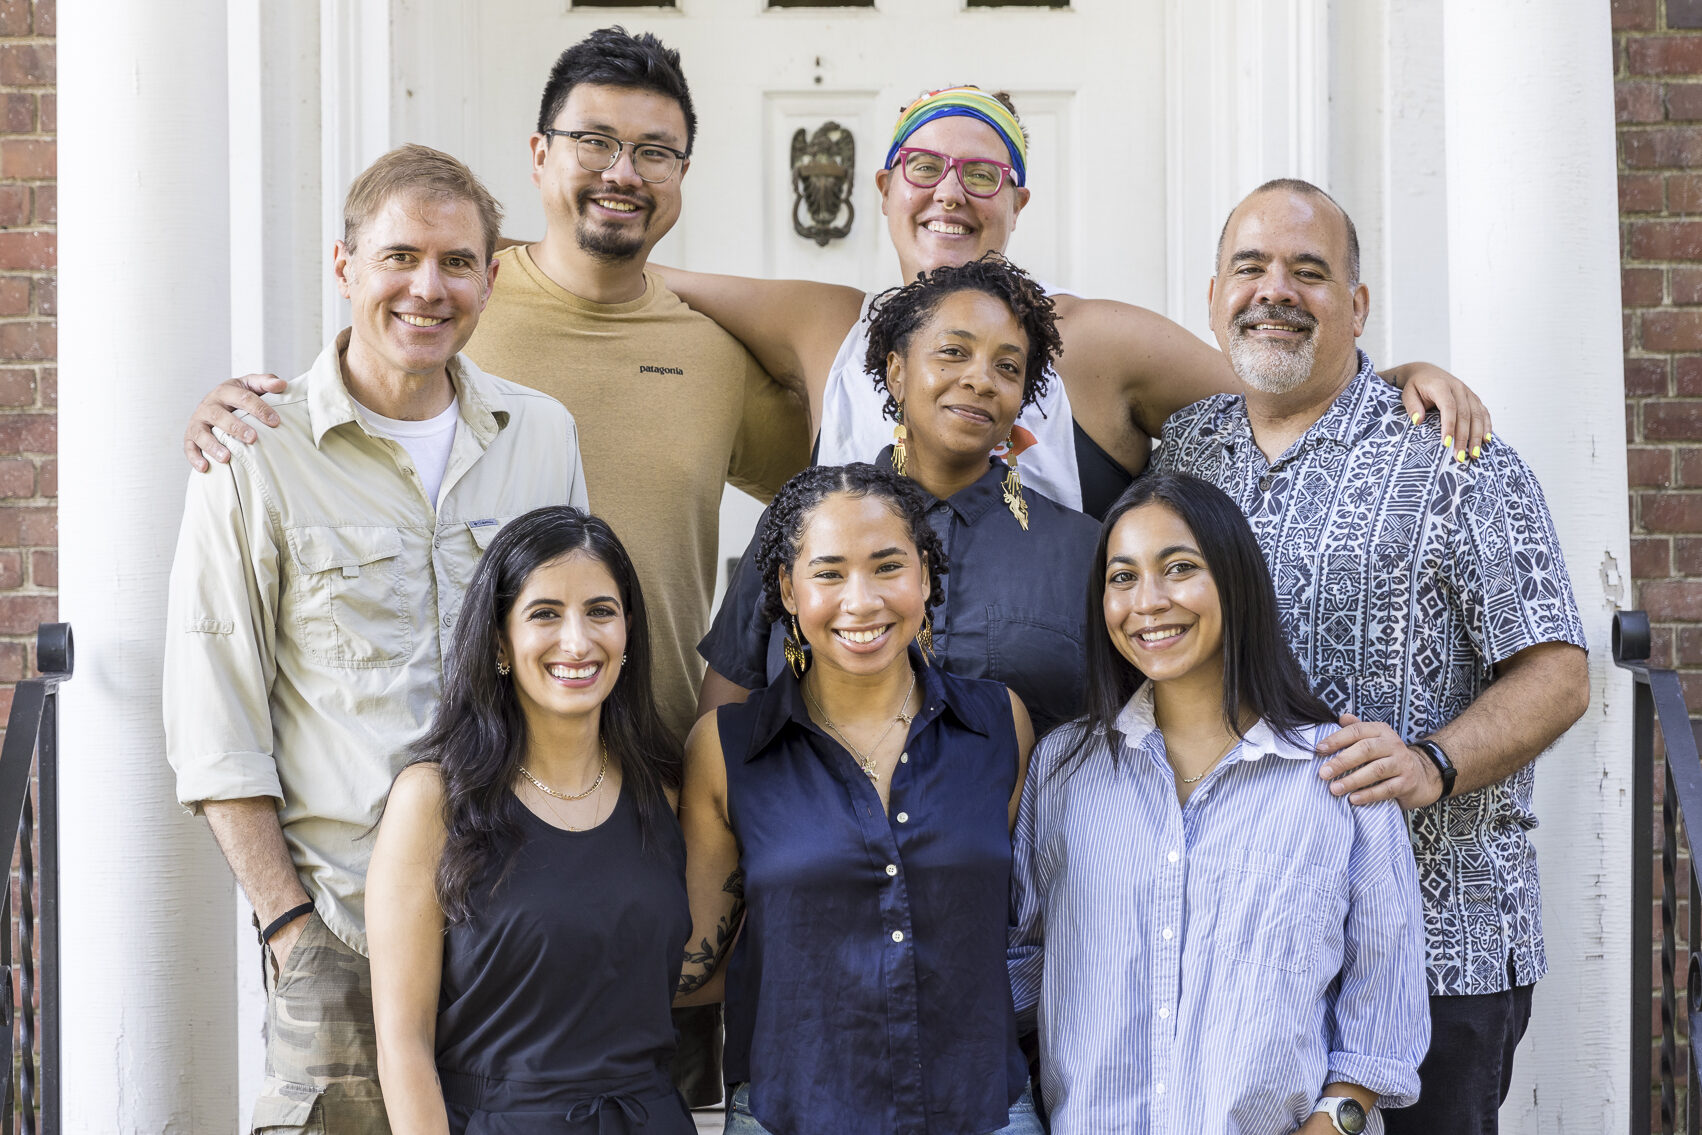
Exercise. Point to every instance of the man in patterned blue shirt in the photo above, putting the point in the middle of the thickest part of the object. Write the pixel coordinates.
(1426, 596)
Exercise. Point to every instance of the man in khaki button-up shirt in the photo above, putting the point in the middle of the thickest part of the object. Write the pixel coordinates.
(314, 596)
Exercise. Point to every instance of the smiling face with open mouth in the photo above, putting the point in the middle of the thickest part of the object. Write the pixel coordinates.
(615, 215)
(960, 379)
(1161, 601)
(943, 224)
(858, 587)
(416, 282)
(1283, 304)
(565, 637)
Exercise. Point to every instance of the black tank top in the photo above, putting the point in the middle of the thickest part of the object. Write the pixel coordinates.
(1102, 478)
(554, 1002)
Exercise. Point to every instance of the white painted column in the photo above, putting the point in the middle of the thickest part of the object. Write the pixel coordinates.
(1534, 318)
(144, 323)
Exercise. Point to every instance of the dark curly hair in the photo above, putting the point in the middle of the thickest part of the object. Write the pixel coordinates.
(897, 313)
(478, 737)
(783, 524)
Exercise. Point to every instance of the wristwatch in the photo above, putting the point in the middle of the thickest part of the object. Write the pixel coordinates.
(1345, 1113)
(1440, 759)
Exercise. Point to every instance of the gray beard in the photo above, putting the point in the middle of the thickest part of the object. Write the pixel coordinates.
(1270, 368)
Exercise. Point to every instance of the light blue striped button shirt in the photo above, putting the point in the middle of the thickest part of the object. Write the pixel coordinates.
(1210, 968)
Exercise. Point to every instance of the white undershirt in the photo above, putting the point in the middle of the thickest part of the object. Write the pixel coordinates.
(427, 442)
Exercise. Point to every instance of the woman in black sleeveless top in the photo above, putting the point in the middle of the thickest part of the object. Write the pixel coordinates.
(526, 903)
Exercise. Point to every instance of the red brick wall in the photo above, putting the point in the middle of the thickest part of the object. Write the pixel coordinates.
(29, 474)
(1658, 96)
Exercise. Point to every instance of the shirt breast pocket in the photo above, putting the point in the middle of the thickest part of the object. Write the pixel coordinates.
(1039, 655)
(1271, 911)
(347, 594)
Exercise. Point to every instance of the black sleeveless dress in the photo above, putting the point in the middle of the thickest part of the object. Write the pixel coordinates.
(553, 1010)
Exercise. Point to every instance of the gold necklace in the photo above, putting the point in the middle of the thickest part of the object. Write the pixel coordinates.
(866, 763)
(1208, 768)
(548, 791)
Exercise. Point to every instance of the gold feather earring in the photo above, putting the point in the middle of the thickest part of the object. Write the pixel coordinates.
(900, 457)
(1013, 490)
(793, 648)
(925, 637)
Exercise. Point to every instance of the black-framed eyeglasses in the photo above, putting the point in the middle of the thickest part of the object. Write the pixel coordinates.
(598, 153)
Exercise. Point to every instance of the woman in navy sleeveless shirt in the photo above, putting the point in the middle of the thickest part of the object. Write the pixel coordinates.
(526, 902)
(857, 812)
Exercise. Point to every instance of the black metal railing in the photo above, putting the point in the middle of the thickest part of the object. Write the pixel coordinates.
(29, 930)
(1659, 700)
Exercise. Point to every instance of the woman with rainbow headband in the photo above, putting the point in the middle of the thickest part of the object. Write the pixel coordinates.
(952, 186)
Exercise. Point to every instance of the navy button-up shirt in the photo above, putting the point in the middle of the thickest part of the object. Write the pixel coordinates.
(1402, 578)
(868, 990)
(1015, 603)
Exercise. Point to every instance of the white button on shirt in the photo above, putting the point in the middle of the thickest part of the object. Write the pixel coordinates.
(903, 817)
(891, 869)
(898, 935)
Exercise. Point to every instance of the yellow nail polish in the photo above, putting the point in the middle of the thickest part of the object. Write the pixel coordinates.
(1448, 442)
(1460, 456)
(1488, 437)
(1417, 418)
(1477, 451)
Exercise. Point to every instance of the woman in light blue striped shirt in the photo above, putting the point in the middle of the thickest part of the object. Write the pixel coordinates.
(1213, 942)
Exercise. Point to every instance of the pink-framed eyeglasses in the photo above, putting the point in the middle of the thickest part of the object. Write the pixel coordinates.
(980, 177)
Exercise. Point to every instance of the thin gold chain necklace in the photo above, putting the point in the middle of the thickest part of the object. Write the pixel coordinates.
(866, 763)
(548, 791)
(1207, 769)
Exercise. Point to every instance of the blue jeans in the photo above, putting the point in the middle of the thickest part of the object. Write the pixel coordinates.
(740, 1121)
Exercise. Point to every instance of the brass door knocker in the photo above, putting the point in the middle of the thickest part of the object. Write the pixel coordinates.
(822, 166)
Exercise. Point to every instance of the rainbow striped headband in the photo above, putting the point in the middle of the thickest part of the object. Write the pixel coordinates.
(963, 102)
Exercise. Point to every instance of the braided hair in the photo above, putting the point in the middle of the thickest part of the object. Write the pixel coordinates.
(783, 525)
(897, 313)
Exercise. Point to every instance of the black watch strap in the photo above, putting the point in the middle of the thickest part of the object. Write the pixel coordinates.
(1439, 758)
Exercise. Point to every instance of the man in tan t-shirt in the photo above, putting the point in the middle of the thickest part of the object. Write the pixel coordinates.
(669, 406)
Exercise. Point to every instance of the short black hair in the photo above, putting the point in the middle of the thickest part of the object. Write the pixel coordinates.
(896, 314)
(613, 57)
(783, 525)
(1305, 189)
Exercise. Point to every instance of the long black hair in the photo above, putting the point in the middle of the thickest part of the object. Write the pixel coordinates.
(478, 738)
(897, 313)
(1260, 674)
(783, 524)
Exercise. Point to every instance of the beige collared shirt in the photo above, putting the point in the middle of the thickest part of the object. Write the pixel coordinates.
(314, 597)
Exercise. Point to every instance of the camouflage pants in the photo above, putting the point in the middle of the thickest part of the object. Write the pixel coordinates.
(321, 1048)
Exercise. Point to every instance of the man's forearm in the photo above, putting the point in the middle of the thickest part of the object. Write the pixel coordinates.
(253, 845)
(1537, 696)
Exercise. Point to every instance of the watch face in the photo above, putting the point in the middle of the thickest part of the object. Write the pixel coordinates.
(1350, 1117)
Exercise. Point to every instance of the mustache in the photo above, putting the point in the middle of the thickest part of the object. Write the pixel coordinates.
(1275, 313)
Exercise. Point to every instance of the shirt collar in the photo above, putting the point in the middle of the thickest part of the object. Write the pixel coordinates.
(783, 704)
(1339, 425)
(1139, 727)
(330, 405)
(971, 503)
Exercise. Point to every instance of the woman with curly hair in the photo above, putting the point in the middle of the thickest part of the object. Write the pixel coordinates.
(956, 355)
(856, 813)
(526, 902)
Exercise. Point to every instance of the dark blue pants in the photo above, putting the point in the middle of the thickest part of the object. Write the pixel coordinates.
(1465, 1076)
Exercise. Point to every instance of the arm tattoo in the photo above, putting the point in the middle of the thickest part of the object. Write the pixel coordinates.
(702, 960)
